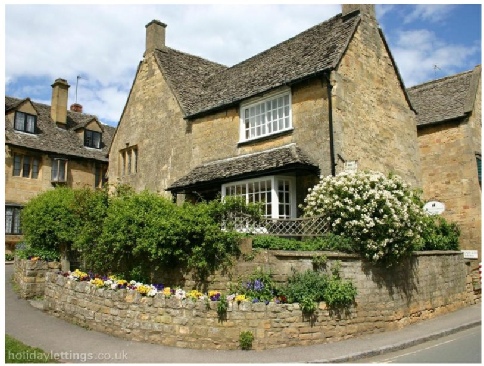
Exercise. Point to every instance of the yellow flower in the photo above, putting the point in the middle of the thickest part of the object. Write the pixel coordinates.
(240, 298)
(98, 282)
(194, 294)
(143, 289)
(167, 291)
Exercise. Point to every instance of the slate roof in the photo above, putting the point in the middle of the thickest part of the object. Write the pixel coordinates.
(256, 164)
(445, 99)
(55, 140)
(202, 86)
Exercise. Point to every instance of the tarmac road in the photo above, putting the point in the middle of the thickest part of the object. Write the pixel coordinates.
(75, 344)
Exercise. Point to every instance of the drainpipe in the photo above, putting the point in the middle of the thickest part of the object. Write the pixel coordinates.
(326, 76)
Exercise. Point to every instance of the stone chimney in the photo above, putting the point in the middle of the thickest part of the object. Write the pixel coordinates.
(365, 9)
(155, 36)
(58, 106)
(76, 108)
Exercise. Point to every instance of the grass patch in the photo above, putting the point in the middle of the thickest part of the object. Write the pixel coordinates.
(17, 352)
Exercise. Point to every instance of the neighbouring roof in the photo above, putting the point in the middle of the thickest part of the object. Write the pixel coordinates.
(445, 99)
(55, 140)
(279, 159)
(201, 85)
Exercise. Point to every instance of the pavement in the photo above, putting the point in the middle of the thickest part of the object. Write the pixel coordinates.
(74, 344)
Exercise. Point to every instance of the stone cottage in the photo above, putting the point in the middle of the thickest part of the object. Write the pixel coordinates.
(46, 146)
(449, 128)
(329, 99)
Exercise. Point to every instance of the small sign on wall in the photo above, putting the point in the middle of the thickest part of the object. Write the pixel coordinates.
(470, 254)
(351, 166)
(434, 207)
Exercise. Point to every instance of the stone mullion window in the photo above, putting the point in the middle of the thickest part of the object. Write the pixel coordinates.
(129, 160)
(12, 220)
(26, 166)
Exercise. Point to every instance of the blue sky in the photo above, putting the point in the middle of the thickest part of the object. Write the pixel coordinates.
(104, 43)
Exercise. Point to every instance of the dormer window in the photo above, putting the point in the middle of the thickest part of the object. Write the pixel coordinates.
(25, 122)
(92, 139)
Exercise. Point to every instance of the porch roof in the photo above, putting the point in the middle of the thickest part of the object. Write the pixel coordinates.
(282, 159)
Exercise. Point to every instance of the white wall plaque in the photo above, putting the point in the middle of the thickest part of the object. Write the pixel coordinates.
(470, 254)
(351, 166)
(434, 207)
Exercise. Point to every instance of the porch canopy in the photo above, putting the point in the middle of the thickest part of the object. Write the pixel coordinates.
(285, 159)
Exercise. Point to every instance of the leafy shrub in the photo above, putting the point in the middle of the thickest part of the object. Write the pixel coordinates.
(26, 252)
(308, 284)
(307, 304)
(259, 286)
(339, 293)
(48, 220)
(381, 214)
(142, 232)
(245, 339)
(222, 307)
(328, 241)
(439, 234)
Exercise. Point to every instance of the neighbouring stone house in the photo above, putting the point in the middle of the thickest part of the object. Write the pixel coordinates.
(46, 146)
(449, 128)
(329, 99)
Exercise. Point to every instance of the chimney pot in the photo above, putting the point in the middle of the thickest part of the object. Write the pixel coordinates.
(155, 36)
(76, 108)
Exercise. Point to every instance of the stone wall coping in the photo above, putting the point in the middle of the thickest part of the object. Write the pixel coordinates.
(437, 252)
(310, 254)
(331, 254)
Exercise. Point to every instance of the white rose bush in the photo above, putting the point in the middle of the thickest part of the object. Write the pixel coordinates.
(383, 215)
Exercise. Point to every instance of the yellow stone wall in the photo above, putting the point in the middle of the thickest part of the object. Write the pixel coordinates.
(153, 123)
(450, 176)
(374, 125)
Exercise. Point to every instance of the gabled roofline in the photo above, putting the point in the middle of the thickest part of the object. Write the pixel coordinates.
(124, 108)
(471, 96)
(170, 85)
(395, 67)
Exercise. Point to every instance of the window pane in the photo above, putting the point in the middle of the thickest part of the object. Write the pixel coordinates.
(8, 220)
(17, 165)
(96, 140)
(16, 221)
(88, 138)
(30, 124)
(135, 157)
(35, 168)
(62, 170)
(19, 121)
(55, 170)
(26, 167)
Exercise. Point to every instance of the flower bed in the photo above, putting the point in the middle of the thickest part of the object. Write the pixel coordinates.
(433, 284)
(255, 287)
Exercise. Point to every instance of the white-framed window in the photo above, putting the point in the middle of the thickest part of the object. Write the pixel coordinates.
(266, 117)
(59, 170)
(277, 193)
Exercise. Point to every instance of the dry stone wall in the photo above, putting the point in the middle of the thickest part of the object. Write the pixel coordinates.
(429, 284)
(30, 276)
